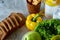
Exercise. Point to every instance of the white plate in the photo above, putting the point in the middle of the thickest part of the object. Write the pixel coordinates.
(8, 6)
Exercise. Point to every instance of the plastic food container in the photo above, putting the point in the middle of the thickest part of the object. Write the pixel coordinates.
(50, 8)
(56, 15)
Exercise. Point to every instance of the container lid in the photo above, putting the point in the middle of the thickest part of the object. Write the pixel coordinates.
(51, 2)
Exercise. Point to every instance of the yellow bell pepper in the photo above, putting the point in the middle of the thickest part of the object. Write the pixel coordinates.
(32, 21)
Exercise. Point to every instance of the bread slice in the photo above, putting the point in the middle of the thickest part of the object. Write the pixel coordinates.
(10, 24)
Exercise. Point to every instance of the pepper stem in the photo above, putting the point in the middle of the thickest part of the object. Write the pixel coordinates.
(35, 18)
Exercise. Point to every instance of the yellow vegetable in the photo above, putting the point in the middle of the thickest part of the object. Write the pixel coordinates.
(32, 21)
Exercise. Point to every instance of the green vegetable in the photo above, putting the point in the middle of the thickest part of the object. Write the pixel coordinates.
(48, 28)
(56, 37)
(34, 19)
(31, 36)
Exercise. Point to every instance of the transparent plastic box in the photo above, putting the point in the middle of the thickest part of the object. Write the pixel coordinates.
(56, 15)
(8, 6)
